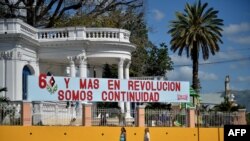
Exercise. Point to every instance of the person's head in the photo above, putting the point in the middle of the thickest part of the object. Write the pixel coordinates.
(146, 130)
(123, 129)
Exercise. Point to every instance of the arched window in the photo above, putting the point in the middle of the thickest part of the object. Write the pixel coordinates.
(26, 72)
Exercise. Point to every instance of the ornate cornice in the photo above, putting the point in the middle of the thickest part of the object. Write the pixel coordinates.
(20, 38)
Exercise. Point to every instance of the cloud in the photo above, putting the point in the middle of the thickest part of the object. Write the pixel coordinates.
(229, 54)
(207, 76)
(185, 74)
(180, 60)
(233, 66)
(238, 33)
(158, 15)
(243, 78)
(183, 60)
(226, 55)
(240, 40)
(236, 28)
(180, 74)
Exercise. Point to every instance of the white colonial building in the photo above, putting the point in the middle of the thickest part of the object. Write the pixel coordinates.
(69, 51)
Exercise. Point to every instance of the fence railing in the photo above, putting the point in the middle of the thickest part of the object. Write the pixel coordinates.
(165, 118)
(113, 117)
(74, 113)
(11, 113)
(216, 119)
(56, 113)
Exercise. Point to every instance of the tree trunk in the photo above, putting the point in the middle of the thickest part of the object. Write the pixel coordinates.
(195, 56)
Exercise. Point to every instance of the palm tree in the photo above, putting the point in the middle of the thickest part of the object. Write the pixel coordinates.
(195, 30)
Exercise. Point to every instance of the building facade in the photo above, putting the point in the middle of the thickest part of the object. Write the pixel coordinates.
(69, 51)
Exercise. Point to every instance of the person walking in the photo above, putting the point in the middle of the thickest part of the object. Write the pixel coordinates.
(146, 135)
(123, 134)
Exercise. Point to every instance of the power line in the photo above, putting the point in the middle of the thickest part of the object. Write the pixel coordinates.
(216, 62)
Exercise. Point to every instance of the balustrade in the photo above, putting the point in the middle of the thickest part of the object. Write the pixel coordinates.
(67, 33)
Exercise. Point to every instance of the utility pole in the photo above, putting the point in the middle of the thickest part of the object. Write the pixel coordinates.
(228, 95)
(227, 86)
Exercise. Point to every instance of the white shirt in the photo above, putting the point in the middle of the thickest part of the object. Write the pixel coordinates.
(147, 137)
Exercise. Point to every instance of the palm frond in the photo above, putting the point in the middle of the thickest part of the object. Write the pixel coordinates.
(197, 29)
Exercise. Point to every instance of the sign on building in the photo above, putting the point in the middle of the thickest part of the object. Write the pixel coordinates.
(50, 88)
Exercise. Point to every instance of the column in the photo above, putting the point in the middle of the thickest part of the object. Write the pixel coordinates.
(10, 75)
(86, 114)
(72, 74)
(2, 74)
(242, 117)
(191, 117)
(120, 76)
(26, 113)
(72, 66)
(83, 66)
(127, 104)
(140, 116)
(37, 114)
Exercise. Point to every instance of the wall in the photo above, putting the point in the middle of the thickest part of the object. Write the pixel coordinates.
(69, 133)
(13, 57)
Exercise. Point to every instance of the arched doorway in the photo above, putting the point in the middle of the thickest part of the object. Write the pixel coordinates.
(26, 71)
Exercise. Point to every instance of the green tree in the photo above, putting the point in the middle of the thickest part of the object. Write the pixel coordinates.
(109, 71)
(158, 62)
(196, 30)
(228, 106)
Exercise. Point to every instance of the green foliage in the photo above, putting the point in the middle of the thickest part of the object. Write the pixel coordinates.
(196, 30)
(51, 89)
(248, 118)
(139, 60)
(4, 99)
(158, 61)
(109, 71)
(226, 105)
(151, 60)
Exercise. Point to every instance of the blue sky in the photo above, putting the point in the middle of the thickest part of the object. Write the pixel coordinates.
(234, 52)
